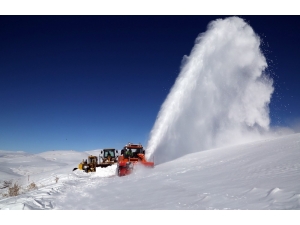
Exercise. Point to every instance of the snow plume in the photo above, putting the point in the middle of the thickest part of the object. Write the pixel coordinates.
(221, 96)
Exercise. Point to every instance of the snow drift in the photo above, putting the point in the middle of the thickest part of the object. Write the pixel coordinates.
(258, 175)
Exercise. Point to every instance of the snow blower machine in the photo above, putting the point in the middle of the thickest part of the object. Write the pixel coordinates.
(107, 157)
(131, 155)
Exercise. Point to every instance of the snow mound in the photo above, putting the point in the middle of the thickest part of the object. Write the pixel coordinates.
(258, 175)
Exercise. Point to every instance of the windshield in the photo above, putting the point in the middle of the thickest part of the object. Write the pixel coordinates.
(137, 150)
(110, 152)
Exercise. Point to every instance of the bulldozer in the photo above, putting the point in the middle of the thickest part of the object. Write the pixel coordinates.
(131, 155)
(107, 158)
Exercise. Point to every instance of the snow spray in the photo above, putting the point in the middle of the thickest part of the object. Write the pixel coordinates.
(220, 98)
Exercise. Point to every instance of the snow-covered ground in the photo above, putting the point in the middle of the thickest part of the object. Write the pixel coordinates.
(256, 176)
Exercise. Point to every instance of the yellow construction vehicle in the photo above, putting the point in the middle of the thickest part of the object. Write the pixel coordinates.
(107, 157)
(88, 165)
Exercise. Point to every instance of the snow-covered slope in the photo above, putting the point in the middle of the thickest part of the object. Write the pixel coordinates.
(258, 175)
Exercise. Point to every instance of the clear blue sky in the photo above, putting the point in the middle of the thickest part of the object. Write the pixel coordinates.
(90, 82)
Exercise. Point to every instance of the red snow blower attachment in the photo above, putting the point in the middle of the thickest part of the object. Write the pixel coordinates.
(131, 155)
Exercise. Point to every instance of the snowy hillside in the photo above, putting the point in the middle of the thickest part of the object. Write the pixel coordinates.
(258, 175)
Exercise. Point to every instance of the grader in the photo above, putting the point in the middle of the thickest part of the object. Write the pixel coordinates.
(107, 157)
